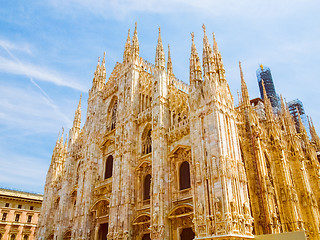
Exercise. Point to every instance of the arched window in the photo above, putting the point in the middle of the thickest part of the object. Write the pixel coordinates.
(13, 236)
(114, 115)
(26, 237)
(184, 175)
(146, 187)
(109, 166)
(147, 142)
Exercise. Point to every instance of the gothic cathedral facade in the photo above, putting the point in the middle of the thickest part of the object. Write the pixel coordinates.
(161, 159)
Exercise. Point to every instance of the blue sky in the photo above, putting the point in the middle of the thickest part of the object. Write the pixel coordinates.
(49, 51)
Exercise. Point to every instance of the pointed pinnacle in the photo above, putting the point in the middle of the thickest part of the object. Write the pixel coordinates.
(204, 28)
(104, 59)
(135, 28)
(159, 36)
(160, 60)
(169, 62)
(215, 45)
(267, 103)
(244, 89)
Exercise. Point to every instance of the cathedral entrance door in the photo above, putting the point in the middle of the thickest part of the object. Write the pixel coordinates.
(103, 231)
(146, 237)
(187, 234)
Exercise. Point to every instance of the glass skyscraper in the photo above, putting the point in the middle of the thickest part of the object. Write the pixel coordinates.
(295, 106)
(264, 73)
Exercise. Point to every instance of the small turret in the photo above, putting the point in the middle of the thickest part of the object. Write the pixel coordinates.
(160, 61)
(127, 50)
(135, 43)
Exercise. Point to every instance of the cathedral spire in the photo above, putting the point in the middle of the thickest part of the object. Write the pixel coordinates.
(302, 129)
(314, 136)
(135, 43)
(160, 60)
(96, 74)
(169, 63)
(195, 66)
(207, 56)
(77, 116)
(244, 89)
(127, 49)
(103, 69)
(215, 45)
(287, 118)
(75, 130)
(267, 104)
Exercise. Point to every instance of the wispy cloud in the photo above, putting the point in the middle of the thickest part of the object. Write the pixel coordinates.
(22, 47)
(38, 72)
(25, 110)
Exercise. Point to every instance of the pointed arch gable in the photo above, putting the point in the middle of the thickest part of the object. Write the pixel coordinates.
(141, 219)
(181, 210)
(96, 203)
(177, 148)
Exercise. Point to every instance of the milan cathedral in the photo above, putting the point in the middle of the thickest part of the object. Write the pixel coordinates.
(161, 159)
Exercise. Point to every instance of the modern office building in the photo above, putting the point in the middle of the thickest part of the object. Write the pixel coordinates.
(19, 213)
(295, 106)
(264, 74)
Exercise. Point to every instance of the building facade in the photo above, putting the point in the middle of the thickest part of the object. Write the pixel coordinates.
(264, 77)
(19, 213)
(160, 159)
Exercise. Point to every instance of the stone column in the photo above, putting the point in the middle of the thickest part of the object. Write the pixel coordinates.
(96, 232)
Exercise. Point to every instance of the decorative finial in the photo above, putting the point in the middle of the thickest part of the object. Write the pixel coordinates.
(159, 30)
(261, 66)
(99, 60)
(192, 36)
(135, 27)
